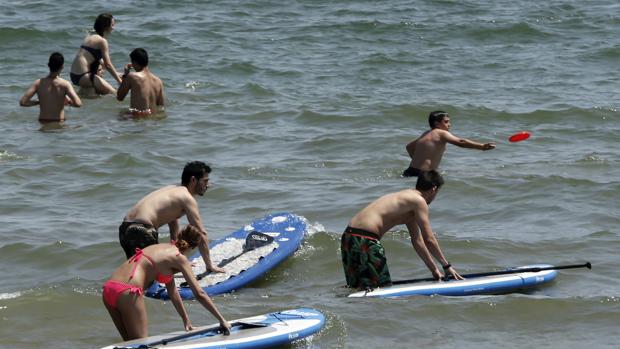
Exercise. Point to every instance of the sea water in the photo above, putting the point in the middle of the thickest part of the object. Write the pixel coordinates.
(306, 106)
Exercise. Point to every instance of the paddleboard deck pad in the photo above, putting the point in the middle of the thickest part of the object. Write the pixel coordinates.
(286, 232)
(495, 284)
(260, 331)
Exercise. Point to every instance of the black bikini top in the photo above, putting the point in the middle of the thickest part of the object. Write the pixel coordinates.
(93, 51)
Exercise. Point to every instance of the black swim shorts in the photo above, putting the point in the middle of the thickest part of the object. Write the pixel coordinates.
(134, 235)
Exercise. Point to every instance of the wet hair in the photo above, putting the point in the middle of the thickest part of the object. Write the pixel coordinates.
(56, 61)
(429, 179)
(94, 67)
(103, 22)
(188, 238)
(194, 169)
(435, 117)
(139, 56)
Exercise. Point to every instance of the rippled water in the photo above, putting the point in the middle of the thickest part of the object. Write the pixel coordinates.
(306, 107)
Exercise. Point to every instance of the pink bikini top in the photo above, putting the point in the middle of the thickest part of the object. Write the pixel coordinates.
(164, 279)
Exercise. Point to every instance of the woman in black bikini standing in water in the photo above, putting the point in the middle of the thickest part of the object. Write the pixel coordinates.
(93, 50)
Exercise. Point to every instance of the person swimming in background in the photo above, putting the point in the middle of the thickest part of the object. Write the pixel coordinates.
(53, 93)
(427, 150)
(123, 292)
(93, 50)
(147, 90)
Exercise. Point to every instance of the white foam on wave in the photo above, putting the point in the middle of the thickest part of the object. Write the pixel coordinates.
(10, 295)
(313, 228)
(7, 155)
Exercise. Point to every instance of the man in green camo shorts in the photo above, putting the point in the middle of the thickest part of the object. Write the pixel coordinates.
(363, 257)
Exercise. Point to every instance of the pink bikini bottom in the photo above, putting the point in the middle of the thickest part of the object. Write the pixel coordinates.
(113, 289)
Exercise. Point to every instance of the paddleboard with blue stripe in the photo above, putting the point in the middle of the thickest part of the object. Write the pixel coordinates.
(493, 284)
(262, 331)
(286, 230)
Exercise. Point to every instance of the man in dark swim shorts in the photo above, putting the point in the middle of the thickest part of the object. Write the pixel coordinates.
(166, 206)
(134, 235)
(363, 258)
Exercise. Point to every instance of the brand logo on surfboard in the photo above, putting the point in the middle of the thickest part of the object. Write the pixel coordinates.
(259, 237)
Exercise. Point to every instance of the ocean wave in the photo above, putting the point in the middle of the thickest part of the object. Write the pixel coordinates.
(314, 228)
(509, 33)
(6, 155)
(16, 36)
(610, 54)
(258, 90)
(13, 295)
(384, 59)
(228, 66)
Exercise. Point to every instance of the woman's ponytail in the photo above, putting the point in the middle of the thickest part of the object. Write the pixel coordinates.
(188, 238)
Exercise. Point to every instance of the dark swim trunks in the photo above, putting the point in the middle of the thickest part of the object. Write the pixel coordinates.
(363, 259)
(134, 235)
(411, 172)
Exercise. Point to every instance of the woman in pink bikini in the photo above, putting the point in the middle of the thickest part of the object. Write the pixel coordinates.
(122, 293)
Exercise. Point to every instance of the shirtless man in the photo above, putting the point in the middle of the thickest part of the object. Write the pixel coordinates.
(426, 151)
(53, 93)
(166, 206)
(363, 257)
(147, 90)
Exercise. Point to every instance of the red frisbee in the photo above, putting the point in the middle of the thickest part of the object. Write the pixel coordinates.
(519, 136)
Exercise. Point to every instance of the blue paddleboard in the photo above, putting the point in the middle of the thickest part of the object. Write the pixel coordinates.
(493, 284)
(262, 331)
(287, 232)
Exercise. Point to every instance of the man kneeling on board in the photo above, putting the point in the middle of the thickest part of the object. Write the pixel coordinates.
(363, 257)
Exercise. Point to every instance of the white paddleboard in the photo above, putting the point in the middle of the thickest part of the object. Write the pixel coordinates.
(262, 331)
